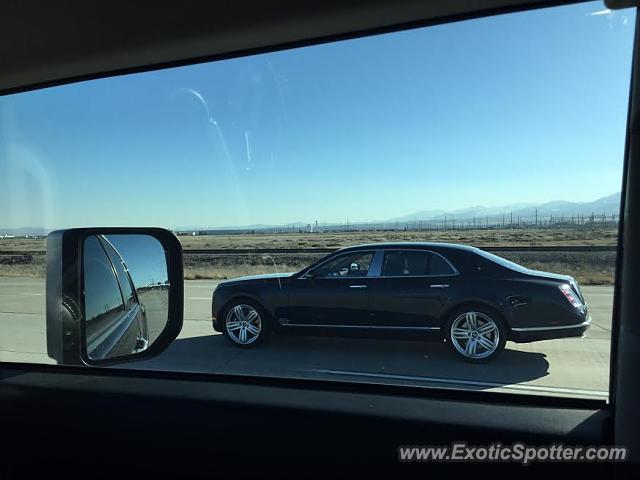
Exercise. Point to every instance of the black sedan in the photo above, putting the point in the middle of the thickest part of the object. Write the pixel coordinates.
(472, 299)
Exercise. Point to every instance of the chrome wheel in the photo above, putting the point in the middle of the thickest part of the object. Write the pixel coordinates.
(243, 324)
(475, 335)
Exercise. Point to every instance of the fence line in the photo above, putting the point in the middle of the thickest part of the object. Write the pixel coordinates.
(506, 221)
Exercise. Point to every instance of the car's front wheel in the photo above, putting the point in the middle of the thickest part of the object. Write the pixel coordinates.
(244, 323)
(476, 334)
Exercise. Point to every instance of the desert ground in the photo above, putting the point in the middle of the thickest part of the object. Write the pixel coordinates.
(589, 268)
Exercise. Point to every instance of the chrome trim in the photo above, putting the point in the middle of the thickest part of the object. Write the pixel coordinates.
(442, 285)
(418, 276)
(363, 327)
(560, 327)
(392, 327)
(304, 277)
(322, 325)
(357, 286)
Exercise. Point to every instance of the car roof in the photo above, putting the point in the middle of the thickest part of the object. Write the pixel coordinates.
(79, 41)
(411, 245)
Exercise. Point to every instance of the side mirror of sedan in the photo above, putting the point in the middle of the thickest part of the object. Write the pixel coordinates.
(113, 294)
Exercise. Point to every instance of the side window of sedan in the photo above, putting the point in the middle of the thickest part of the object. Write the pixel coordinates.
(439, 266)
(351, 265)
(414, 263)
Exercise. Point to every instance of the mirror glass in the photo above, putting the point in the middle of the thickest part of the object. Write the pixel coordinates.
(125, 294)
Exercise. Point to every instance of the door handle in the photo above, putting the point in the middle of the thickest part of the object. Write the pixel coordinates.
(357, 286)
(440, 285)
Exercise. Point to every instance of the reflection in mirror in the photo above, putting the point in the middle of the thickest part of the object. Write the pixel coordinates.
(125, 294)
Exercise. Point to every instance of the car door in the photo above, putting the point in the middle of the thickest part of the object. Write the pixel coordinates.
(134, 308)
(111, 318)
(333, 294)
(412, 290)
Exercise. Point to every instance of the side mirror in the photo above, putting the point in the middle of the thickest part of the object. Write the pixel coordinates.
(113, 294)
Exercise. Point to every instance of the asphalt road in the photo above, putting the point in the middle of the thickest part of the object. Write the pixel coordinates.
(574, 367)
(156, 305)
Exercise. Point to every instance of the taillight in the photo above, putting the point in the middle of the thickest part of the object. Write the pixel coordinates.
(570, 295)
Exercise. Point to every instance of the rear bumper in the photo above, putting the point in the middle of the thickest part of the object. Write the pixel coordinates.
(534, 334)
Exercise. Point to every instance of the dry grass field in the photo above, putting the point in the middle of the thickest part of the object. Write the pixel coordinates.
(588, 268)
(477, 238)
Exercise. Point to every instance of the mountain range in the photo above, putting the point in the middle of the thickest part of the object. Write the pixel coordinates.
(606, 205)
(609, 205)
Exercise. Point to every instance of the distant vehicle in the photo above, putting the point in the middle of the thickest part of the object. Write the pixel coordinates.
(116, 321)
(472, 299)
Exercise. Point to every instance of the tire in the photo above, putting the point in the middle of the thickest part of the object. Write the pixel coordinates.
(245, 323)
(481, 326)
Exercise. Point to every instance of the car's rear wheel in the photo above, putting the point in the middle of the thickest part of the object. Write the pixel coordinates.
(245, 323)
(476, 334)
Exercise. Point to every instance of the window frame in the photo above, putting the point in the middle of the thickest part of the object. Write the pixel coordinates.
(427, 392)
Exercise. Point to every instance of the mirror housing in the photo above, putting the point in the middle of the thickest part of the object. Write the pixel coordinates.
(65, 295)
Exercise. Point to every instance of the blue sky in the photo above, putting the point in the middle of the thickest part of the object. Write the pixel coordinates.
(525, 107)
(144, 256)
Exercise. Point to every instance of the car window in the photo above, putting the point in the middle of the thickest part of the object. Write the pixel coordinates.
(123, 276)
(414, 263)
(100, 284)
(496, 142)
(351, 265)
(503, 262)
(439, 266)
